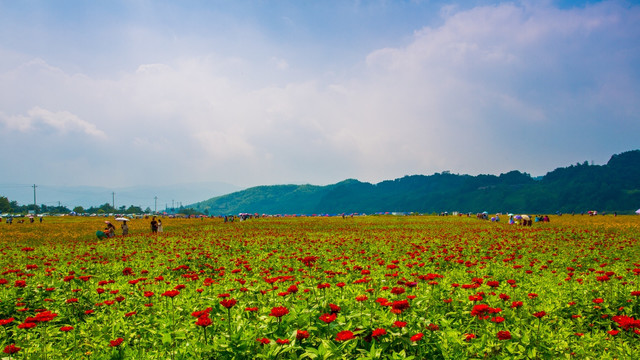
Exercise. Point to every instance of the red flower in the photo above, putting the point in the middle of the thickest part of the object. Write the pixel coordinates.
(516, 304)
(251, 309)
(283, 341)
(598, 301)
(148, 294)
(378, 333)
(27, 325)
(626, 322)
(171, 293)
(11, 349)
(397, 290)
(399, 324)
(334, 308)
(129, 314)
(279, 311)
(328, 318)
(203, 321)
(116, 342)
(4, 322)
(66, 328)
(302, 334)
(540, 314)
(400, 305)
(504, 335)
(361, 298)
(72, 300)
(480, 310)
(613, 332)
(433, 327)
(228, 303)
(469, 337)
(417, 337)
(345, 335)
(263, 341)
(197, 314)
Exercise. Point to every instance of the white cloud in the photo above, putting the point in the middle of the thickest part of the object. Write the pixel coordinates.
(61, 122)
(488, 80)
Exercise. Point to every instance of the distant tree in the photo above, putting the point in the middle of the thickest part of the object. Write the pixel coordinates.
(147, 210)
(134, 210)
(78, 209)
(5, 205)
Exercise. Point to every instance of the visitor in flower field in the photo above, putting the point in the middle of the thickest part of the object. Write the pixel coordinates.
(154, 225)
(125, 228)
(110, 230)
(159, 225)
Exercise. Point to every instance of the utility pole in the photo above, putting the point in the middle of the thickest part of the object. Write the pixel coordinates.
(173, 206)
(35, 206)
(155, 206)
(113, 200)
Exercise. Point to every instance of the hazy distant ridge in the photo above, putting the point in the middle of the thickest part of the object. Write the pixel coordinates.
(576, 188)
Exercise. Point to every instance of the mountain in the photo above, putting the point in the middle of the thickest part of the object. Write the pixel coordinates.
(614, 186)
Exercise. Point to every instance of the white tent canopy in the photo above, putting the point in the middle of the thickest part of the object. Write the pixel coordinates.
(638, 211)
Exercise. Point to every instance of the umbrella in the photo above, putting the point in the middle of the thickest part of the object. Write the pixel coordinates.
(122, 219)
(638, 211)
(518, 216)
(525, 217)
(107, 222)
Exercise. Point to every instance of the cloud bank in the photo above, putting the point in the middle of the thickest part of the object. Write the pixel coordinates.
(503, 86)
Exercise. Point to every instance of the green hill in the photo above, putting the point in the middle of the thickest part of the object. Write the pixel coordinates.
(576, 188)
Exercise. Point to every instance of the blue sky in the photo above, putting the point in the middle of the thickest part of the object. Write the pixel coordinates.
(123, 93)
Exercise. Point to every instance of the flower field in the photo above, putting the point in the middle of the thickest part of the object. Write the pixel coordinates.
(322, 288)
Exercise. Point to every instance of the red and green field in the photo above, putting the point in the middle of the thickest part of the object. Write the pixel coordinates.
(322, 288)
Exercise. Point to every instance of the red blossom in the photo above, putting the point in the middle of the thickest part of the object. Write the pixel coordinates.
(504, 335)
(204, 321)
(279, 311)
(540, 314)
(11, 349)
(302, 334)
(116, 342)
(228, 303)
(171, 293)
(345, 335)
(328, 318)
(263, 341)
(378, 333)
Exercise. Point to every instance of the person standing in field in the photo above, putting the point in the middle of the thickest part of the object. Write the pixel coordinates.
(125, 228)
(159, 225)
(154, 225)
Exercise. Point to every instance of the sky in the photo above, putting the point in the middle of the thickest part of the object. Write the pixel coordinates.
(127, 93)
